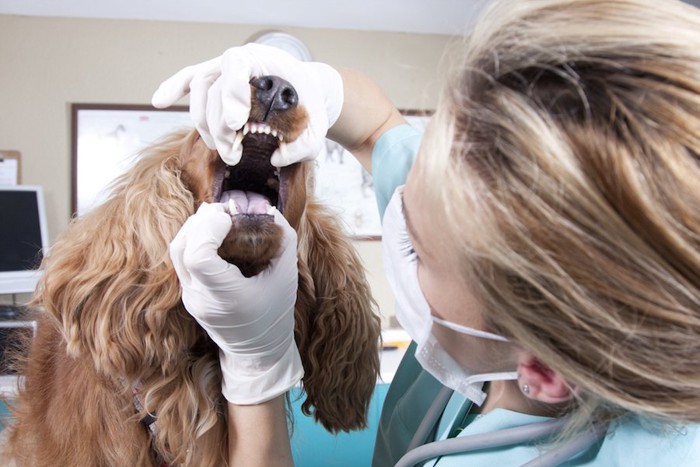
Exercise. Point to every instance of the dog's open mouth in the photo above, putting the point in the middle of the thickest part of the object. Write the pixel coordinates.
(252, 186)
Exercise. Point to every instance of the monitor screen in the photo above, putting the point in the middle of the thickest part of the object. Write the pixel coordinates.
(23, 237)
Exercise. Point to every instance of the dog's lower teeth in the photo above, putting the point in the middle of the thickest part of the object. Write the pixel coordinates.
(232, 210)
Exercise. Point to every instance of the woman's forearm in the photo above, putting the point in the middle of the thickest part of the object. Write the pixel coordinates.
(367, 113)
(258, 434)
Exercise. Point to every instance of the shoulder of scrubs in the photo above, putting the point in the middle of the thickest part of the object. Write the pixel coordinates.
(392, 157)
(628, 443)
(633, 442)
(496, 420)
(410, 395)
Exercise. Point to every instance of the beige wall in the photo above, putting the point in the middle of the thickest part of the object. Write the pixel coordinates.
(46, 64)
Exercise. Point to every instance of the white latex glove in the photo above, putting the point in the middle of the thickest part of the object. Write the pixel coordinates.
(250, 319)
(220, 98)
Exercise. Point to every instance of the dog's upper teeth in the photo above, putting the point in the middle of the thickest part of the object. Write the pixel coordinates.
(283, 150)
(257, 128)
(237, 141)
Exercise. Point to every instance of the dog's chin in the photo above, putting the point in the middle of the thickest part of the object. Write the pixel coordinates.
(252, 242)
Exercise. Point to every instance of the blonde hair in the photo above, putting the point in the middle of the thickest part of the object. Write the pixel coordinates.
(563, 171)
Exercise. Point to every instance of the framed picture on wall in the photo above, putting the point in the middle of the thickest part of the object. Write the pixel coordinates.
(347, 188)
(107, 139)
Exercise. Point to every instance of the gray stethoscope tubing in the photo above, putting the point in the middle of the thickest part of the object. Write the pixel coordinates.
(431, 418)
(417, 453)
(566, 451)
(499, 438)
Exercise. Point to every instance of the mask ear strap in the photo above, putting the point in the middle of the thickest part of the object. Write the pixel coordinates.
(468, 331)
(499, 376)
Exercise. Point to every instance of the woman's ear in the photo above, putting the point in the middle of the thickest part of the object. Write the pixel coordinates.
(540, 383)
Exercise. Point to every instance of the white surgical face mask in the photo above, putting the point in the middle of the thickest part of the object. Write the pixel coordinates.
(413, 311)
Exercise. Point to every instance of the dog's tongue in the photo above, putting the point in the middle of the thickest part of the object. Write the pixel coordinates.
(247, 202)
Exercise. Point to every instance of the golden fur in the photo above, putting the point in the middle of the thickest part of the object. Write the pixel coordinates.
(111, 320)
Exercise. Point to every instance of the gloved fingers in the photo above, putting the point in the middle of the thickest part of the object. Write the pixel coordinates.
(306, 147)
(221, 135)
(235, 96)
(203, 103)
(335, 93)
(323, 109)
(206, 231)
(283, 270)
(289, 239)
(237, 70)
(178, 85)
(177, 250)
(309, 143)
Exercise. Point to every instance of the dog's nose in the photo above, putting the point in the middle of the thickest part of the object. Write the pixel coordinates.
(275, 93)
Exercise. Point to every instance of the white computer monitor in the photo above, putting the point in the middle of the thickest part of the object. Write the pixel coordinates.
(23, 237)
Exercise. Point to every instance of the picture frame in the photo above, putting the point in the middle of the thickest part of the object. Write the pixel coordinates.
(347, 188)
(106, 138)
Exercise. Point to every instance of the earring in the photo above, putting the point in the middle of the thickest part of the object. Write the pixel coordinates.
(525, 388)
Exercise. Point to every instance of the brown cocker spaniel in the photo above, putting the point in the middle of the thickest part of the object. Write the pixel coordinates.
(119, 374)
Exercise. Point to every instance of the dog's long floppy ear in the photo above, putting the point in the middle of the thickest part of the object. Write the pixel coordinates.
(108, 279)
(338, 331)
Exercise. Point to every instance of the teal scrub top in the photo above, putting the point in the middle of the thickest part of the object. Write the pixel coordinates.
(629, 442)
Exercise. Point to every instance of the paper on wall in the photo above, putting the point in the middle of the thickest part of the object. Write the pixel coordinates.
(8, 171)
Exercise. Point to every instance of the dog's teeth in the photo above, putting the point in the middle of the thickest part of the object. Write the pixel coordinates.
(271, 210)
(232, 210)
(237, 142)
(246, 129)
(274, 133)
(267, 130)
(283, 150)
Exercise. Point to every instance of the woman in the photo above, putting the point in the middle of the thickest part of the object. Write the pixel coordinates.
(547, 240)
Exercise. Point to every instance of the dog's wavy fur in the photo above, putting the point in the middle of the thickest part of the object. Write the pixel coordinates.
(111, 320)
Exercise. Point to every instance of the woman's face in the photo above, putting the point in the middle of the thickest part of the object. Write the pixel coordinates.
(447, 293)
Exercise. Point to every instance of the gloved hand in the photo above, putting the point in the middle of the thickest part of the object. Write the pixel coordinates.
(220, 98)
(250, 319)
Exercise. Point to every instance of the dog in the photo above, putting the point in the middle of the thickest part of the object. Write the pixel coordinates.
(119, 373)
